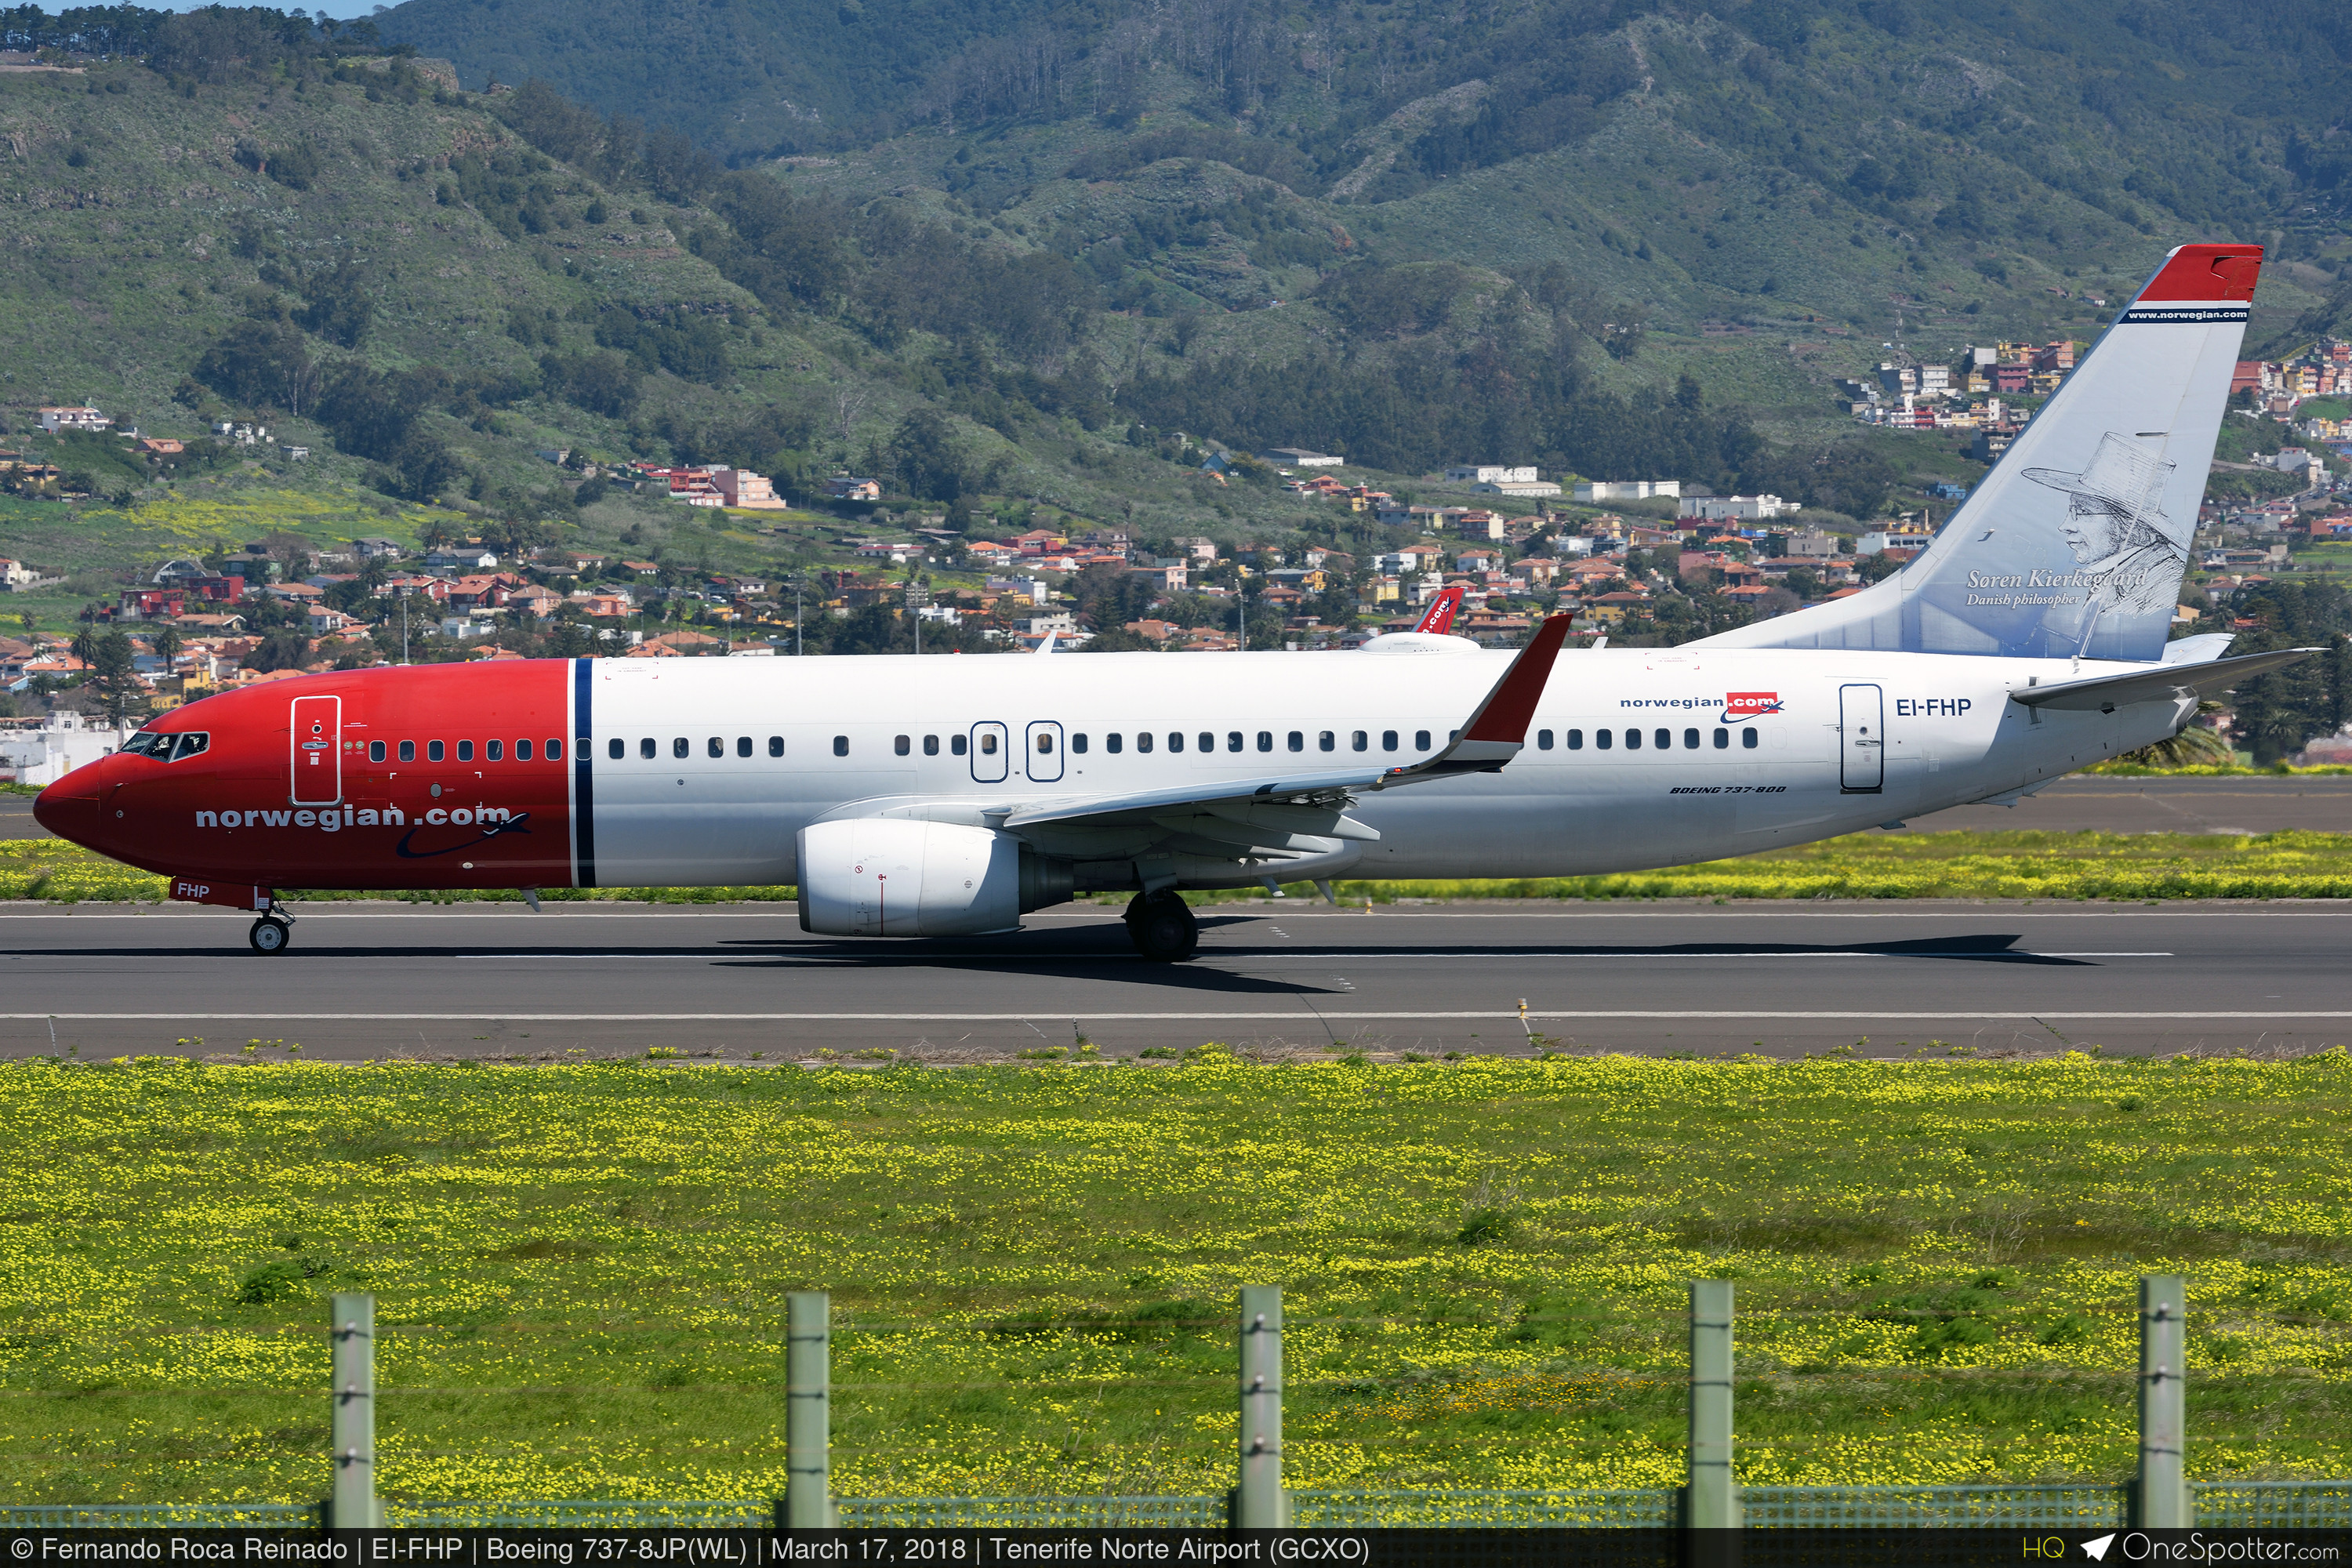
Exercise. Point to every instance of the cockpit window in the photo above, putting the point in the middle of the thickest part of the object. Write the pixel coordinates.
(166, 747)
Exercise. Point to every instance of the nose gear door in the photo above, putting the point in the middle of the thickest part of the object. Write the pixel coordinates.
(1862, 737)
(317, 762)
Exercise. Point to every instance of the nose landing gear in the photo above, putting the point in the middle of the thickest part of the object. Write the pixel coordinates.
(272, 931)
(1162, 927)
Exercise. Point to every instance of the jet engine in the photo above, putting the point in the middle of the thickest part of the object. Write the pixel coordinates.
(887, 875)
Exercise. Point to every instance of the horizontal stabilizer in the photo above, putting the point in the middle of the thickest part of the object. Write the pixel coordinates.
(2106, 693)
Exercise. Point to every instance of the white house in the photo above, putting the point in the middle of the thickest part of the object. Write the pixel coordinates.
(43, 756)
(1734, 508)
(1517, 488)
(15, 575)
(1629, 489)
(1299, 457)
(1894, 539)
(75, 417)
(1490, 474)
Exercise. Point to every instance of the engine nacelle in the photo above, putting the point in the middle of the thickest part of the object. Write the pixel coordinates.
(888, 876)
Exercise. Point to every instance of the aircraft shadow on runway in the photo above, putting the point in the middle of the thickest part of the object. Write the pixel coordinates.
(1100, 953)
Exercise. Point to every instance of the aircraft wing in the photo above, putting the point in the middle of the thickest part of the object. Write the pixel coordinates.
(2105, 693)
(1276, 810)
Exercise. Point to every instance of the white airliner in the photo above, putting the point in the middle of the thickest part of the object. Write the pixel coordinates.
(946, 796)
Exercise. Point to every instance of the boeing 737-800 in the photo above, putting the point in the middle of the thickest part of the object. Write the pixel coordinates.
(947, 796)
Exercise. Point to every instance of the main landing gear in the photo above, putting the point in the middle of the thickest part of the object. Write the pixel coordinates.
(1162, 927)
(272, 931)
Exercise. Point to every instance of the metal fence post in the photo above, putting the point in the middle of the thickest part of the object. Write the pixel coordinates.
(1711, 1499)
(2161, 1494)
(352, 1504)
(808, 1413)
(1259, 1502)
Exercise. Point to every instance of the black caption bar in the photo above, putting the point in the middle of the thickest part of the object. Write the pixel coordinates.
(2032, 1546)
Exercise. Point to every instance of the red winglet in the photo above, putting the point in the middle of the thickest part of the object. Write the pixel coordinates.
(1508, 708)
(2206, 273)
(1440, 618)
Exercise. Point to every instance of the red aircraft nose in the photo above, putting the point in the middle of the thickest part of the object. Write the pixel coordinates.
(68, 807)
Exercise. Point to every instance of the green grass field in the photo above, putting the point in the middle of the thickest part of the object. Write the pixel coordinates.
(581, 1270)
(2136, 865)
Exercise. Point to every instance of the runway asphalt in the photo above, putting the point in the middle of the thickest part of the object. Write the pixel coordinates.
(2321, 803)
(377, 981)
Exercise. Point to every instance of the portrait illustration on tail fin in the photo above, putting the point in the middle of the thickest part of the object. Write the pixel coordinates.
(2117, 530)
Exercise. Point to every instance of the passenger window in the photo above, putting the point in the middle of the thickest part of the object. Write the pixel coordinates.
(646, 748)
(1044, 742)
(1575, 739)
(465, 751)
(1420, 739)
(956, 744)
(775, 745)
(1266, 740)
(930, 745)
(1325, 741)
(375, 751)
(841, 745)
(1663, 740)
(494, 751)
(408, 750)
(1360, 740)
(902, 745)
(615, 748)
(1388, 739)
(555, 748)
(1208, 741)
(743, 745)
(1543, 740)
(522, 750)
(1722, 738)
(1296, 740)
(678, 746)
(1114, 743)
(987, 745)
(1632, 739)
(1690, 740)
(1142, 742)
(433, 751)
(1604, 739)
(1078, 744)
(1748, 739)
(1232, 741)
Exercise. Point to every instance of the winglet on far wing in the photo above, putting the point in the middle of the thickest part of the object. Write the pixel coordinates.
(1439, 621)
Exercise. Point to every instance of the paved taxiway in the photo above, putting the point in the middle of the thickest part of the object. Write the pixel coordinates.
(371, 981)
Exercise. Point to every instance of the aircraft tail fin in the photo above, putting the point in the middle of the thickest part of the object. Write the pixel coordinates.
(2075, 545)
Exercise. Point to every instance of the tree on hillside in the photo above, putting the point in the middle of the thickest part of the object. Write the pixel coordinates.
(112, 680)
(925, 458)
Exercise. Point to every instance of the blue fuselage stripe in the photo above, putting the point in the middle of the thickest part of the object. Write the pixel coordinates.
(583, 809)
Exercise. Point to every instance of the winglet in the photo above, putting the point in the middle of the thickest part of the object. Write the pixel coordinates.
(1498, 729)
(1439, 621)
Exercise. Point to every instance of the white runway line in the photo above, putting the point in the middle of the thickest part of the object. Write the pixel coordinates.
(1288, 1015)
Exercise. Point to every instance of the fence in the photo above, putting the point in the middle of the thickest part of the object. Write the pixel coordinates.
(2159, 1496)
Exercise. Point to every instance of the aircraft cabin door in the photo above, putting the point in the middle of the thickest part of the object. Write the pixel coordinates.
(991, 752)
(1862, 739)
(1045, 752)
(317, 752)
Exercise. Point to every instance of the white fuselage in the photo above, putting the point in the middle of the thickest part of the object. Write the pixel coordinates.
(1842, 741)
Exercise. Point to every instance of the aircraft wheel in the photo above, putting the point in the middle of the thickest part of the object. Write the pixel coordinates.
(1163, 929)
(269, 935)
